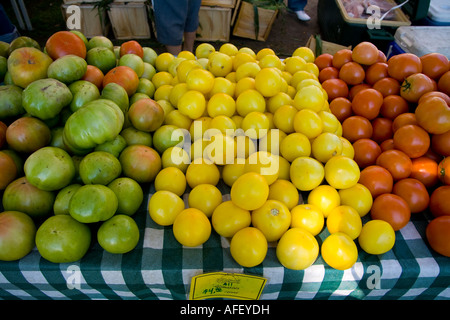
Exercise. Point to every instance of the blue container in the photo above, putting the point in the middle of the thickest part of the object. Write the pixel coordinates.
(393, 49)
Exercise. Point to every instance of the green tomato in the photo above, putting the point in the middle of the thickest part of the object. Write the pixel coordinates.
(17, 232)
(119, 235)
(114, 146)
(67, 69)
(61, 204)
(62, 239)
(99, 167)
(10, 101)
(117, 94)
(129, 194)
(83, 92)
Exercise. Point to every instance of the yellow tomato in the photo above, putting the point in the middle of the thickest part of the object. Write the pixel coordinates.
(311, 68)
(309, 97)
(185, 67)
(308, 122)
(297, 249)
(222, 124)
(163, 61)
(284, 171)
(325, 146)
(192, 104)
(265, 164)
(222, 85)
(221, 149)
(198, 127)
(205, 197)
(268, 82)
(164, 206)
(171, 179)
(271, 141)
(308, 217)
(203, 50)
(250, 100)
(339, 251)
(247, 69)
(229, 49)
(173, 65)
(176, 118)
(285, 192)
(248, 50)
(248, 247)
(186, 54)
(273, 218)
(283, 118)
(299, 76)
(264, 52)
(175, 157)
(227, 219)
(244, 146)
(304, 52)
(242, 57)
(244, 84)
(294, 64)
(255, 124)
(177, 91)
(191, 227)
(163, 92)
(202, 171)
(377, 237)
(161, 78)
(221, 104)
(200, 80)
(325, 197)
(329, 121)
(341, 172)
(270, 61)
(232, 171)
(219, 64)
(198, 150)
(277, 101)
(344, 219)
(308, 82)
(295, 145)
(306, 173)
(358, 197)
(249, 191)
(237, 120)
(347, 148)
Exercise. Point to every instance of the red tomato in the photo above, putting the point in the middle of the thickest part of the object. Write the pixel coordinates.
(124, 76)
(404, 119)
(387, 86)
(335, 88)
(387, 145)
(435, 94)
(412, 140)
(440, 201)
(393, 105)
(365, 53)
(377, 179)
(382, 129)
(444, 171)
(433, 115)
(341, 57)
(376, 72)
(415, 85)
(425, 170)
(403, 65)
(356, 127)
(131, 46)
(62, 43)
(392, 209)
(352, 73)
(328, 73)
(440, 143)
(324, 60)
(438, 235)
(414, 193)
(94, 75)
(366, 152)
(367, 103)
(341, 107)
(8, 169)
(396, 162)
(355, 89)
(444, 83)
(434, 65)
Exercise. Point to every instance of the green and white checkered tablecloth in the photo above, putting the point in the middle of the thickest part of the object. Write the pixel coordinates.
(160, 268)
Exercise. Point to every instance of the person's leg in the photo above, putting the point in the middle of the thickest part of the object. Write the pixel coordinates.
(191, 26)
(169, 22)
(298, 7)
(189, 40)
(175, 50)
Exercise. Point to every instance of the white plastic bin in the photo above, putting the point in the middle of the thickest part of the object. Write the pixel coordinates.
(422, 40)
(439, 11)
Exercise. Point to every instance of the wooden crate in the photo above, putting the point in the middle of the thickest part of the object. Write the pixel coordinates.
(214, 24)
(91, 24)
(129, 20)
(219, 3)
(245, 23)
(327, 47)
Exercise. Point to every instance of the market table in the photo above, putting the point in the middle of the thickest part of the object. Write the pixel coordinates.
(160, 268)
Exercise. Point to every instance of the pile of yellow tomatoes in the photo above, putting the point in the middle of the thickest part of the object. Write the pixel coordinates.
(263, 126)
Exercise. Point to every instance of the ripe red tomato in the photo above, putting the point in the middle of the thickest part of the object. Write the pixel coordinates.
(414, 193)
(366, 152)
(392, 209)
(425, 170)
(433, 115)
(94, 75)
(440, 201)
(341, 107)
(365, 53)
(412, 140)
(444, 83)
(131, 46)
(324, 60)
(8, 169)
(435, 94)
(382, 129)
(335, 88)
(341, 57)
(440, 143)
(396, 162)
(352, 73)
(393, 105)
(444, 170)
(415, 85)
(403, 65)
(434, 65)
(387, 86)
(438, 235)
(376, 72)
(62, 43)
(328, 73)
(124, 76)
(377, 179)
(387, 145)
(367, 103)
(404, 119)
(356, 127)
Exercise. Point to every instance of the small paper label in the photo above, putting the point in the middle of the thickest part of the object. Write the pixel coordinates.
(226, 285)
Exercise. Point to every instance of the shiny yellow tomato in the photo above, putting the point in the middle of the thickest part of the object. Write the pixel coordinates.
(358, 197)
(202, 171)
(219, 64)
(268, 82)
(247, 69)
(325, 146)
(308, 217)
(171, 179)
(229, 49)
(175, 157)
(294, 64)
(191, 227)
(227, 219)
(255, 124)
(347, 148)
(242, 57)
(329, 121)
(299, 76)
(222, 123)
(250, 100)
(325, 197)
(248, 247)
(198, 150)
(295, 145)
(264, 52)
(221, 104)
(198, 127)
(339, 251)
(341, 172)
(306, 173)
(200, 80)
(185, 67)
(186, 55)
(308, 122)
(177, 91)
(377, 237)
(277, 101)
(309, 97)
(283, 118)
(232, 171)
(162, 78)
(285, 168)
(203, 50)
(205, 197)
(273, 218)
(163, 61)
(304, 52)
(192, 104)
(164, 206)
(244, 84)
(249, 191)
(271, 141)
(284, 191)
(265, 164)
(344, 219)
(244, 146)
(221, 149)
(223, 85)
(162, 92)
(271, 61)
(176, 118)
(297, 249)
